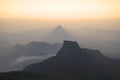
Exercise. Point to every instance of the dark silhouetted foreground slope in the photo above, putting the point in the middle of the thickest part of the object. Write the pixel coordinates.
(71, 63)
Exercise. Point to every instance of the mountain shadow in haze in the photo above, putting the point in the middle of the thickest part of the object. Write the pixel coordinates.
(58, 35)
(77, 63)
(33, 52)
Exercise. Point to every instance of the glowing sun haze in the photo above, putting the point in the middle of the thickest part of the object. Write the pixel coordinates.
(60, 9)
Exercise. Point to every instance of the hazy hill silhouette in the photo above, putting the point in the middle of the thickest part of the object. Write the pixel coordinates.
(37, 48)
(33, 52)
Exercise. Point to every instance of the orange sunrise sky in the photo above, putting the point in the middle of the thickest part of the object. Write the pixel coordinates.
(60, 9)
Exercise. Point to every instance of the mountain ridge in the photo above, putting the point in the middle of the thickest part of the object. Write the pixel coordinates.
(70, 63)
(71, 59)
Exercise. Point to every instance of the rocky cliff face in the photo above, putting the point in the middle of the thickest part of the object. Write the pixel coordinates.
(72, 60)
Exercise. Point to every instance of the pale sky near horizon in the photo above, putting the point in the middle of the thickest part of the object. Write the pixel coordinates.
(60, 9)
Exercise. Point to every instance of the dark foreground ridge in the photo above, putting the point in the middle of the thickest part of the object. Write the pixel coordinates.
(74, 63)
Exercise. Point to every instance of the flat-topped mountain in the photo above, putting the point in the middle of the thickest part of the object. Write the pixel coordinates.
(74, 61)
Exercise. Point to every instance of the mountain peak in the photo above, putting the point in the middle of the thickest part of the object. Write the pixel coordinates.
(67, 42)
(69, 48)
(70, 44)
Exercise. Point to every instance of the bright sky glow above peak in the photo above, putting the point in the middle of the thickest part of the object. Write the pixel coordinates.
(60, 9)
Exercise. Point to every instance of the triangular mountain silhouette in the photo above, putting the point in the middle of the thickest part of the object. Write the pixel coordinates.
(58, 35)
(75, 62)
